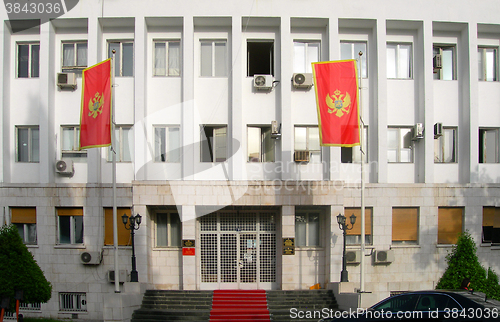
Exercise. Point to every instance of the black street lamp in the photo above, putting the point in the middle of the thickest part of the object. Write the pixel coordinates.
(133, 225)
(341, 220)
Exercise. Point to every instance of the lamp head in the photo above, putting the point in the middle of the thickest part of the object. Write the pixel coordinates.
(124, 219)
(353, 219)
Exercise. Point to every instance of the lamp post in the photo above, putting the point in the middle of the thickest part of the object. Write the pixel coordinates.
(341, 220)
(133, 225)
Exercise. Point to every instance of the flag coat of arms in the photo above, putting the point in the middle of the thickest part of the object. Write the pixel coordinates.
(336, 87)
(95, 116)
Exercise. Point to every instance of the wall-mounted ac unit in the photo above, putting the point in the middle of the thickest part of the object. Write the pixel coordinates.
(66, 80)
(353, 256)
(91, 258)
(123, 276)
(301, 156)
(64, 166)
(418, 131)
(263, 82)
(383, 256)
(275, 130)
(438, 130)
(302, 80)
(438, 61)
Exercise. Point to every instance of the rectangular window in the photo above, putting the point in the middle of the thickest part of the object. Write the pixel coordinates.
(70, 142)
(167, 58)
(72, 302)
(214, 60)
(350, 50)
(124, 57)
(445, 150)
(28, 143)
(399, 61)
(70, 225)
(444, 62)
(123, 144)
(307, 139)
(213, 143)
(399, 145)
(167, 144)
(404, 225)
(168, 229)
(25, 221)
(491, 225)
(353, 155)
(353, 236)
(305, 53)
(307, 229)
(123, 234)
(260, 57)
(74, 56)
(450, 223)
(28, 60)
(260, 144)
(488, 146)
(487, 64)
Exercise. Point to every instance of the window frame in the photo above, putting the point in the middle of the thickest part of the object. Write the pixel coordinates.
(307, 213)
(120, 58)
(72, 226)
(165, 142)
(82, 296)
(398, 59)
(31, 71)
(483, 157)
(352, 236)
(123, 233)
(251, 69)
(27, 218)
(167, 43)
(306, 62)
(312, 152)
(354, 55)
(443, 223)
(438, 72)
(483, 69)
(265, 155)
(415, 231)
(31, 158)
(76, 155)
(119, 140)
(353, 154)
(168, 214)
(213, 61)
(400, 147)
(212, 144)
(77, 69)
(491, 220)
(439, 144)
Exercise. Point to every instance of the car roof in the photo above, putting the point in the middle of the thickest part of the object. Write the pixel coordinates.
(477, 297)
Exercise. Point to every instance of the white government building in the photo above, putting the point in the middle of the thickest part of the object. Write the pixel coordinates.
(208, 152)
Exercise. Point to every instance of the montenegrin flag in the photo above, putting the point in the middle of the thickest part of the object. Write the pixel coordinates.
(336, 86)
(95, 116)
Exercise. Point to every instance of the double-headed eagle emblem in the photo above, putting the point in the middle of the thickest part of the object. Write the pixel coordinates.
(96, 104)
(338, 103)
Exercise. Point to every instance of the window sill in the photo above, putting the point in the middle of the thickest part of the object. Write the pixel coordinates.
(445, 245)
(119, 247)
(406, 246)
(358, 246)
(70, 246)
(167, 248)
(306, 248)
(31, 245)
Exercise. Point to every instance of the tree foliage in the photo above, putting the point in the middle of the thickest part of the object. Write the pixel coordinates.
(19, 270)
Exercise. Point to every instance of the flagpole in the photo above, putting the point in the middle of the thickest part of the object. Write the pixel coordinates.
(361, 142)
(113, 153)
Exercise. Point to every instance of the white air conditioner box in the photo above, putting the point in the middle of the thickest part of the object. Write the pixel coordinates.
(438, 61)
(91, 258)
(64, 166)
(301, 156)
(383, 256)
(263, 81)
(438, 130)
(65, 80)
(418, 131)
(302, 80)
(123, 276)
(353, 256)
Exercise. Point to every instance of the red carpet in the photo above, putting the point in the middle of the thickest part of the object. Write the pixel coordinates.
(239, 305)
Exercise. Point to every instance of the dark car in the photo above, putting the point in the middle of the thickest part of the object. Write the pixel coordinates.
(426, 306)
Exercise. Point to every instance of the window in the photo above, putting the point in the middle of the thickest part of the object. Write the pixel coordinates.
(167, 60)
(445, 150)
(488, 146)
(214, 143)
(404, 225)
(260, 144)
(307, 231)
(487, 61)
(450, 221)
(123, 234)
(70, 225)
(28, 144)
(124, 57)
(214, 60)
(73, 302)
(305, 53)
(491, 225)
(444, 62)
(260, 58)
(25, 221)
(353, 236)
(307, 139)
(168, 229)
(167, 144)
(123, 144)
(28, 60)
(74, 56)
(353, 154)
(71, 142)
(399, 61)
(350, 50)
(399, 144)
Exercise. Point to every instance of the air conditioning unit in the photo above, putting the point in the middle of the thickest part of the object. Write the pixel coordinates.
(275, 130)
(438, 130)
(64, 167)
(301, 156)
(418, 131)
(263, 81)
(302, 80)
(66, 80)
(353, 257)
(91, 258)
(123, 276)
(438, 61)
(383, 256)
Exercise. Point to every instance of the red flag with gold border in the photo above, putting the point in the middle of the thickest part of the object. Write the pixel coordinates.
(95, 116)
(336, 86)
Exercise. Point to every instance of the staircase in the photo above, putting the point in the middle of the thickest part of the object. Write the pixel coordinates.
(239, 305)
(310, 304)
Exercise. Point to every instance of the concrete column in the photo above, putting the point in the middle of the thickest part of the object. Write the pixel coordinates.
(381, 99)
(468, 130)
(188, 112)
(5, 80)
(426, 104)
(140, 83)
(189, 272)
(237, 127)
(285, 93)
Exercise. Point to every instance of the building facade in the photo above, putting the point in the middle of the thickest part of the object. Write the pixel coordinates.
(210, 154)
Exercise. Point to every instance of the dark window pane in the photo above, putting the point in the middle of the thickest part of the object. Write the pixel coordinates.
(23, 60)
(35, 60)
(64, 230)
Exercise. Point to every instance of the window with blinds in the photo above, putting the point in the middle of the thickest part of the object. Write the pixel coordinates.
(405, 225)
(450, 224)
(353, 236)
(491, 225)
(24, 218)
(70, 222)
(123, 234)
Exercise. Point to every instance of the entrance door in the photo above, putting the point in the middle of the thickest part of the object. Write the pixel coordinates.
(238, 250)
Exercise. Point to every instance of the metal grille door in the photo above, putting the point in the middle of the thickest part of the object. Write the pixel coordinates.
(238, 250)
